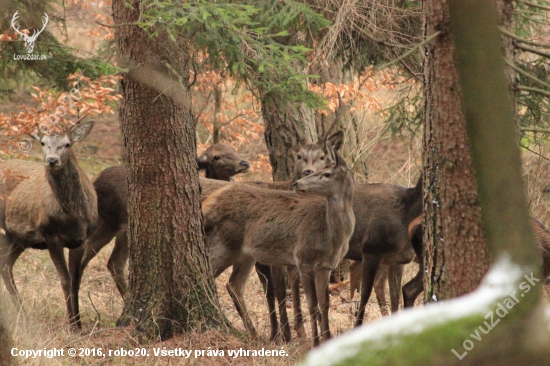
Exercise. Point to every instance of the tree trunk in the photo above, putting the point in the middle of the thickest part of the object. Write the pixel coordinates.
(171, 287)
(456, 256)
(285, 128)
(5, 343)
(467, 324)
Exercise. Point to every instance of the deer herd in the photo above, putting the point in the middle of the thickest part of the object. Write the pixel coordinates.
(302, 228)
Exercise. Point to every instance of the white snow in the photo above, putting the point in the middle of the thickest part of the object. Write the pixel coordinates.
(500, 282)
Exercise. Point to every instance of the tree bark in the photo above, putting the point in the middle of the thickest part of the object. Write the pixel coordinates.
(456, 256)
(171, 287)
(285, 130)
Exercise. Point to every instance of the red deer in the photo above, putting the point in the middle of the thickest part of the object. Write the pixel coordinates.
(415, 287)
(220, 162)
(383, 213)
(50, 205)
(284, 229)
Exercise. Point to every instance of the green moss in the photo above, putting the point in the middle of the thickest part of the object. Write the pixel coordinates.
(431, 346)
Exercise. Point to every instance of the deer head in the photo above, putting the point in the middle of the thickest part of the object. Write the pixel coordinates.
(57, 148)
(29, 40)
(222, 162)
(330, 181)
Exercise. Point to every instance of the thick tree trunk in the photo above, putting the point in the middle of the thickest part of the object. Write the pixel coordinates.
(456, 255)
(171, 287)
(284, 128)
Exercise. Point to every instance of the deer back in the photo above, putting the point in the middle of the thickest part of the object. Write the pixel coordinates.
(281, 228)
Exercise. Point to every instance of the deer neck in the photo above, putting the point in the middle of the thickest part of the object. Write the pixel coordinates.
(339, 215)
(69, 190)
(211, 174)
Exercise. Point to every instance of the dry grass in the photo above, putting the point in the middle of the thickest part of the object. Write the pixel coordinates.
(389, 160)
(45, 325)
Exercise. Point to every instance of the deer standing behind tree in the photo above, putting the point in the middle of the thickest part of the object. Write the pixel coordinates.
(415, 287)
(220, 162)
(50, 205)
(278, 228)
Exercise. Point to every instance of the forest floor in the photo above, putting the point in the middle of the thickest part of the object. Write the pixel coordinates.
(391, 160)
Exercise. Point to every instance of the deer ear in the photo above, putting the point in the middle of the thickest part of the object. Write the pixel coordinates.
(340, 161)
(336, 140)
(202, 161)
(81, 130)
(330, 151)
(35, 136)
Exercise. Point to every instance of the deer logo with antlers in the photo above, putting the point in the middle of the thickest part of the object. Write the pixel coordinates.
(29, 40)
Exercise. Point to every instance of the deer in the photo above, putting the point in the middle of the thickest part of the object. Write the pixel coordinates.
(220, 162)
(383, 213)
(310, 158)
(415, 287)
(50, 205)
(309, 228)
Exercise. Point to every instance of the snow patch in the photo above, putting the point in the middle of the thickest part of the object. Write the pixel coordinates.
(500, 282)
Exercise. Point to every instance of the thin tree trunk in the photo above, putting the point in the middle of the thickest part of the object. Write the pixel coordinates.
(456, 256)
(171, 287)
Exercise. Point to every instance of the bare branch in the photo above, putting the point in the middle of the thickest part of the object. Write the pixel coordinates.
(522, 40)
(534, 5)
(533, 50)
(534, 90)
(525, 73)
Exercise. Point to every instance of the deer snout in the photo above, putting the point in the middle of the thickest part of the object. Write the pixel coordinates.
(307, 172)
(294, 185)
(52, 161)
(245, 164)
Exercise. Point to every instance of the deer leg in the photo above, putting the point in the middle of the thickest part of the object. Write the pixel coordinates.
(75, 258)
(235, 287)
(321, 287)
(380, 289)
(414, 287)
(99, 238)
(395, 278)
(118, 260)
(55, 248)
(307, 278)
(265, 274)
(8, 257)
(368, 272)
(294, 280)
(280, 291)
(354, 278)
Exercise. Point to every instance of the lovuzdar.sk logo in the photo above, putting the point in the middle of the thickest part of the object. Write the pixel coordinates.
(29, 39)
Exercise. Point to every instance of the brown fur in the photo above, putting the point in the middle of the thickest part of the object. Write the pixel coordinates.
(415, 287)
(383, 213)
(245, 225)
(46, 206)
(111, 186)
(221, 162)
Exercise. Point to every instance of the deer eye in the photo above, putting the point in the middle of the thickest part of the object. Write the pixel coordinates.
(299, 157)
(216, 157)
(322, 158)
(42, 143)
(327, 174)
(67, 145)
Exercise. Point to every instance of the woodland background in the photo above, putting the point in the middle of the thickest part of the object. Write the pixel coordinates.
(372, 53)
